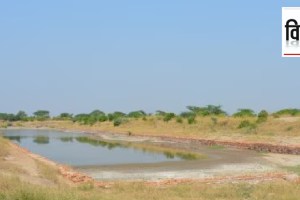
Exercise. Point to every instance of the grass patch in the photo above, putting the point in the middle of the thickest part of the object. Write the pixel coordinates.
(217, 147)
(47, 172)
(295, 169)
(13, 188)
(3, 147)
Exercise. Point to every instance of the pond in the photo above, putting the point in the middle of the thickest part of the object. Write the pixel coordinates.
(78, 150)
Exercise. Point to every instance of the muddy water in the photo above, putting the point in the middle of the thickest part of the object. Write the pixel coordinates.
(112, 156)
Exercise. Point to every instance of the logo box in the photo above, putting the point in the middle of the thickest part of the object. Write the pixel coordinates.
(290, 32)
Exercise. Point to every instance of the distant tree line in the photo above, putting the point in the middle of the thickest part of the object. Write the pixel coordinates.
(119, 117)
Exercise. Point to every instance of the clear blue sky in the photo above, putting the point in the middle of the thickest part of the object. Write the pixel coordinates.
(76, 56)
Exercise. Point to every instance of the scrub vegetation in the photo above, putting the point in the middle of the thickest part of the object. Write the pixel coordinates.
(198, 122)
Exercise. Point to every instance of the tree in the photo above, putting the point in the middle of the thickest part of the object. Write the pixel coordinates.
(244, 112)
(208, 110)
(160, 113)
(98, 116)
(42, 114)
(137, 114)
(115, 115)
(7, 117)
(65, 116)
(187, 114)
(82, 118)
(289, 111)
(21, 115)
(97, 113)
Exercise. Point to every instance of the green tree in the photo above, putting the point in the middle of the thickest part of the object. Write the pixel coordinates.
(115, 115)
(21, 115)
(206, 111)
(244, 112)
(187, 114)
(98, 116)
(42, 114)
(288, 111)
(137, 114)
(160, 113)
(65, 116)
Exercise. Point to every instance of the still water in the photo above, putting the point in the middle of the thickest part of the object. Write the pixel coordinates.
(76, 149)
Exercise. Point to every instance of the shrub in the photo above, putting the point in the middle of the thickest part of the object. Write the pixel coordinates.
(169, 116)
(115, 115)
(42, 115)
(214, 121)
(119, 121)
(192, 120)
(289, 111)
(244, 124)
(179, 120)
(137, 114)
(244, 113)
(206, 111)
(262, 116)
(187, 114)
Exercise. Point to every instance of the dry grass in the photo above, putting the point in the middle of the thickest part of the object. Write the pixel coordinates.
(48, 172)
(13, 188)
(3, 147)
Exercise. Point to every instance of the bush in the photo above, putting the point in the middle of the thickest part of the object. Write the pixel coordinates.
(245, 124)
(206, 111)
(115, 115)
(192, 120)
(119, 121)
(137, 114)
(169, 116)
(179, 120)
(244, 113)
(288, 111)
(187, 114)
(262, 116)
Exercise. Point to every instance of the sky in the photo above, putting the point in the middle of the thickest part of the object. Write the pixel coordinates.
(76, 56)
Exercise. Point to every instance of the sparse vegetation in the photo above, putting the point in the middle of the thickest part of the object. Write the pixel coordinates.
(244, 113)
(262, 116)
(288, 112)
(13, 188)
(247, 124)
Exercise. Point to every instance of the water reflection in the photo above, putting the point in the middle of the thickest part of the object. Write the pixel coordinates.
(108, 145)
(40, 139)
(79, 150)
(171, 154)
(14, 138)
(66, 139)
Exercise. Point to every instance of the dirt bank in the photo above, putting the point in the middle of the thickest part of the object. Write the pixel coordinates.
(256, 146)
